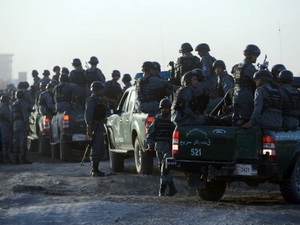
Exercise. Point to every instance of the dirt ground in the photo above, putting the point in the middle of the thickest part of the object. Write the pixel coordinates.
(52, 192)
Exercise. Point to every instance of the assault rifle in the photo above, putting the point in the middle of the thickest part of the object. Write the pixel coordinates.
(264, 65)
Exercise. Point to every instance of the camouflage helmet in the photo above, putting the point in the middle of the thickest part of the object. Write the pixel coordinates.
(20, 94)
(76, 62)
(263, 74)
(252, 49)
(97, 85)
(93, 60)
(219, 63)
(199, 73)
(285, 76)
(202, 47)
(126, 77)
(185, 47)
(165, 102)
(276, 69)
(5, 98)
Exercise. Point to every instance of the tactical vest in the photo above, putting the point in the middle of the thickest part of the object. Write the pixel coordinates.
(220, 90)
(292, 107)
(99, 110)
(186, 64)
(144, 92)
(17, 110)
(90, 76)
(163, 129)
(273, 99)
(79, 78)
(61, 94)
(112, 90)
(240, 80)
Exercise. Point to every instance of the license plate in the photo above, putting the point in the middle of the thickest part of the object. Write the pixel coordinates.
(245, 170)
(79, 137)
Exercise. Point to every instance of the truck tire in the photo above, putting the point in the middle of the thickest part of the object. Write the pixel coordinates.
(213, 191)
(44, 146)
(143, 159)
(116, 161)
(290, 187)
(55, 151)
(65, 151)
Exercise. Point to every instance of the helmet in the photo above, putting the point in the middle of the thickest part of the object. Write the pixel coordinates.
(126, 77)
(65, 70)
(34, 73)
(199, 73)
(23, 85)
(93, 60)
(46, 73)
(76, 62)
(63, 77)
(156, 66)
(219, 63)
(50, 85)
(97, 84)
(20, 94)
(252, 49)
(56, 68)
(165, 102)
(265, 74)
(276, 69)
(5, 98)
(148, 65)
(202, 47)
(285, 76)
(43, 84)
(185, 47)
(116, 72)
(187, 77)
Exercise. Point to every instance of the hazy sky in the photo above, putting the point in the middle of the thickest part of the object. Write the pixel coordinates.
(124, 34)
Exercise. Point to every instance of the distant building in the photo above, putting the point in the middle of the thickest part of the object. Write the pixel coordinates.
(6, 67)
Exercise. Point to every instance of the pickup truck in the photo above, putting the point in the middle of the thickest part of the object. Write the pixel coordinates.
(213, 156)
(126, 130)
(68, 132)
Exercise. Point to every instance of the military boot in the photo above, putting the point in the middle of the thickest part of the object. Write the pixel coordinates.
(95, 172)
(172, 189)
(162, 189)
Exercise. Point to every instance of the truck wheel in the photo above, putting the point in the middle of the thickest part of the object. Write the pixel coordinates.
(213, 191)
(143, 160)
(55, 151)
(290, 188)
(116, 161)
(44, 145)
(65, 151)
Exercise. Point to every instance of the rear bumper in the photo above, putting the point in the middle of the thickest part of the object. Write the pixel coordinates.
(74, 138)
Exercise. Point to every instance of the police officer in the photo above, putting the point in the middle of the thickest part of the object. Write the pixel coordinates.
(244, 86)
(23, 86)
(95, 113)
(291, 99)
(151, 89)
(186, 62)
(20, 128)
(93, 73)
(63, 93)
(78, 77)
(42, 88)
(126, 81)
(113, 90)
(46, 77)
(207, 60)
(224, 84)
(159, 138)
(36, 83)
(55, 77)
(267, 103)
(184, 107)
(202, 97)
(276, 69)
(46, 101)
(6, 125)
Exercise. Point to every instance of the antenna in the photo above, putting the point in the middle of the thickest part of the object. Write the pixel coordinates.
(280, 46)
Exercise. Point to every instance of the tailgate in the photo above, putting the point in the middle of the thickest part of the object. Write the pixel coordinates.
(77, 123)
(206, 143)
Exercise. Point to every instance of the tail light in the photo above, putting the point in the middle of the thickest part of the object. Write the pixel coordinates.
(46, 125)
(66, 121)
(148, 122)
(175, 143)
(269, 147)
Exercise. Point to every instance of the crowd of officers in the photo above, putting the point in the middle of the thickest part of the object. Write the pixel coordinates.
(253, 98)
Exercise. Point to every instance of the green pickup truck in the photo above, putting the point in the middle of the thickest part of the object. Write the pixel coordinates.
(213, 156)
